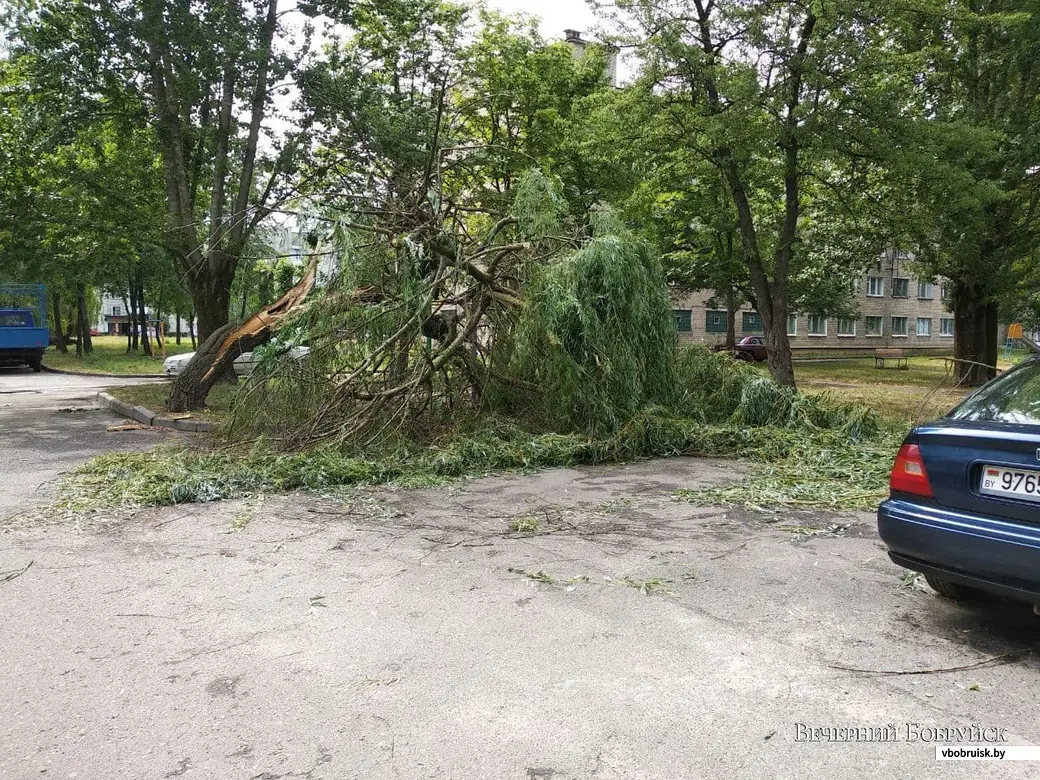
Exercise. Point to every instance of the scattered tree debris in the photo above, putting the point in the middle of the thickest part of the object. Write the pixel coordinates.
(7, 576)
(996, 660)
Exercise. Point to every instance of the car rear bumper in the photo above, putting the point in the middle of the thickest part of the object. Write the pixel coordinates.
(983, 552)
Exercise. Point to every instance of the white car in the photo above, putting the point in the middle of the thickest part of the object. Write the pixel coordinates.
(243, 364)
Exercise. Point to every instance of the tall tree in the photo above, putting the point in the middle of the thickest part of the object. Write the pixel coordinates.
(203, 76)
(78, 200)
(770, 95)
(521, 101)
(976, 91)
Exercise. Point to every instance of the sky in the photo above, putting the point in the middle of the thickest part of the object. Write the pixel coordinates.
(556, 15)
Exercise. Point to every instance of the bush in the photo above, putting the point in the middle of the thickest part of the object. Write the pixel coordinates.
(719, 389)
(597, 335)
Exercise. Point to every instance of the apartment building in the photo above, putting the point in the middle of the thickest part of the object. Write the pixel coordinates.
(893, 308)
(114, 319)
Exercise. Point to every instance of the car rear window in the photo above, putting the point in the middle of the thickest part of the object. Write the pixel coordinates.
(1011, 398)
(15, 319)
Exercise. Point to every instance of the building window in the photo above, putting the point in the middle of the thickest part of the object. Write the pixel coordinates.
(715, 321)
(900, 288)
(117, 311)
(846, 326)
(924, 290)
(683, 320)
(924, 326)
(899, 326)
(792, 324)
(875, 286)
(752, 322)
(944, 291)
(817, 325)
(946, 326)
(875, 326)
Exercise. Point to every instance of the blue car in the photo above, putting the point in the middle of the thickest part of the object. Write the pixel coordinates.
(964, 508)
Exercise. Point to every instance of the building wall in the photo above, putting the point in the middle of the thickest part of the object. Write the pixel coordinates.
(113, 317)
(578, 44)
(882, 298)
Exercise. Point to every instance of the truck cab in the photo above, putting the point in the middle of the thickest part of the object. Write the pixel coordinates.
(21, 341)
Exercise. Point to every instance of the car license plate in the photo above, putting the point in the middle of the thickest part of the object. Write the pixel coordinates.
(998, 481)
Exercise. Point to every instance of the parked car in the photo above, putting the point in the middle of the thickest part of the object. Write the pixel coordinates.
(243, 364)
(750, 348)
(964, 508)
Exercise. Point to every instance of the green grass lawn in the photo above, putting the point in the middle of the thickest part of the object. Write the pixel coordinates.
(153, 396)
(923, 391)
(110, 357)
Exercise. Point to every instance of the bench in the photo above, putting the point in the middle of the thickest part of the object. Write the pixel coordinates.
(897, 355)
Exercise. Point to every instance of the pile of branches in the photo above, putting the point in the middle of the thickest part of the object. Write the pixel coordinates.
(444, 316)
(410, 332)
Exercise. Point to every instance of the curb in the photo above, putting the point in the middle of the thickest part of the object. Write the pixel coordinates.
(50, 370)
(148, 417)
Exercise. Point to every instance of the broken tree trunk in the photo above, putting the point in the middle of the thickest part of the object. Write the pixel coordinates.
(1029, 344)
(215, 357)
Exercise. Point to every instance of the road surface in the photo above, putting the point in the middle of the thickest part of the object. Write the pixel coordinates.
(413, 634)
(49, 424)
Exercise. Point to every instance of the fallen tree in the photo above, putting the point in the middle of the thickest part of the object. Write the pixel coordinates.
(213, 360)
(557, 330)
(1029, 344)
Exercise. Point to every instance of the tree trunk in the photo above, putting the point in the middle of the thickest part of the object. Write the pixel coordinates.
(138, 327)
(59, 330)
(213, 303)
(731, 326)
(192, 386)
(146, 343)
(159, 331)
(974, 337)
(83, 345)
(191, 328)
(177, 337)
(131, 321)
(778, 345)
(992, 334)
(142, 316)
(245, 297)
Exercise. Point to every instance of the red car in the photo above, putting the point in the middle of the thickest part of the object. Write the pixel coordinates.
(750, 348)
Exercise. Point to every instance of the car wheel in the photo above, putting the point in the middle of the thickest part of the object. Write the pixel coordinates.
(37, 366)
(952, 590)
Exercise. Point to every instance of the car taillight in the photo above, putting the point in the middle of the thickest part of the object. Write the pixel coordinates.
(908, 474)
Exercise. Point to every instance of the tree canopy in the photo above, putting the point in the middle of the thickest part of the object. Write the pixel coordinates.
(768, 152)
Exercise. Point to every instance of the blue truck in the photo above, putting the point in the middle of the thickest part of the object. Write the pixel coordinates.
(23, 325)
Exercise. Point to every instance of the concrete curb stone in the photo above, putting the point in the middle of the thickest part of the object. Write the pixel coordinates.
(148, 417)
(50, 370)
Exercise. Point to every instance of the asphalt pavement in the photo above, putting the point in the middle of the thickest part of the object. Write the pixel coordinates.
(387, 633)
(49, 424)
